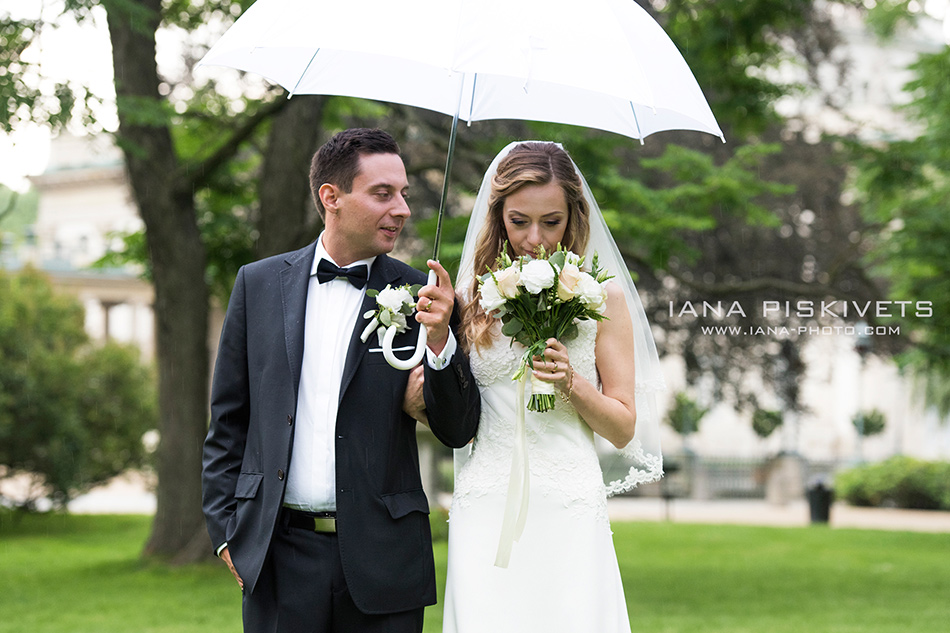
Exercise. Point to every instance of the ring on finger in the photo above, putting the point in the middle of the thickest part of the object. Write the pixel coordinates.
(427, 306)
(555, 365)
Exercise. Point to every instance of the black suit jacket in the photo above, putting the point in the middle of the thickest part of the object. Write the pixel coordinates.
(382, 512)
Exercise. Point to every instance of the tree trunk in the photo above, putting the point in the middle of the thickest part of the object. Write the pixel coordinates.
(178, 260)
(287, 218)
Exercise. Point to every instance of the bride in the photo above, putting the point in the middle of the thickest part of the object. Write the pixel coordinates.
(562, 573)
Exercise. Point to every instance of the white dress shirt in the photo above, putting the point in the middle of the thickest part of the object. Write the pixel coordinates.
(332, 312)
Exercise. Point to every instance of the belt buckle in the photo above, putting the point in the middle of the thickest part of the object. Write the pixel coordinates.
(324, 524)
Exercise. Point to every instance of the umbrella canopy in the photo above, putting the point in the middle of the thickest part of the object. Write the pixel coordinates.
(604, 64)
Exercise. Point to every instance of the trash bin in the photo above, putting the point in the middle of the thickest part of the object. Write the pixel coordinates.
(819, 495)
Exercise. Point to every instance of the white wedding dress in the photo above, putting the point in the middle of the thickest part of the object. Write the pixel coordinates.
(563, 573)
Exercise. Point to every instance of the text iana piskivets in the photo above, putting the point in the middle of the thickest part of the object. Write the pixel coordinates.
(806, 309)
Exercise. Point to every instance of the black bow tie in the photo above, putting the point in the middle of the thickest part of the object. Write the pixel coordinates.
(356, 275)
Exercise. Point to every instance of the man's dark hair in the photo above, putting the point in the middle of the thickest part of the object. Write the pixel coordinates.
(338, 161)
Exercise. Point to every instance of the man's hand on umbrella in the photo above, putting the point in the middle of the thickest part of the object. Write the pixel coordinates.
(434, 308)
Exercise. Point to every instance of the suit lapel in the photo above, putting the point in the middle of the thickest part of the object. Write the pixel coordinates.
(294, 283)
(383, 272)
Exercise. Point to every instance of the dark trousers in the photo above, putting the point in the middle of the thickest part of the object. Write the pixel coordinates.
(302, 590)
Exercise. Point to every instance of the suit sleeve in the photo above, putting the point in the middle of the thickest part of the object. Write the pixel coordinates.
(230, 415)
(453, 402)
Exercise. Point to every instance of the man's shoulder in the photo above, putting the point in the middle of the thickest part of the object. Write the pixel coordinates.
(281, 260)
(402, 269)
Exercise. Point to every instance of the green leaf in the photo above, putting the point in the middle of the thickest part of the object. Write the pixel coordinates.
(569, 333)
(512, 327)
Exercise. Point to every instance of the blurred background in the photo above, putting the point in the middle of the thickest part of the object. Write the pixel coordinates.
(796, 276)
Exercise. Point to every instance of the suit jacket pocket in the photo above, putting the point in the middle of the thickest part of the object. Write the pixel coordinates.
(402, 503)
(375, 355)
(247, 485)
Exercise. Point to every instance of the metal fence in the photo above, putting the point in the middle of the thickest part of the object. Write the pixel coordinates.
(721, 477)
(686, 475)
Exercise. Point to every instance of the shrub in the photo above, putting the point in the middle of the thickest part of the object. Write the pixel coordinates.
(868, 423)
(765, 421)
(72, 414)
(685, 414)
(902, 482)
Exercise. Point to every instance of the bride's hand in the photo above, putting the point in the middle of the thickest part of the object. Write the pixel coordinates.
(554, 365)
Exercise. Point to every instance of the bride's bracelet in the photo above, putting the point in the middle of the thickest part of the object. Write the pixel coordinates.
(570, 387)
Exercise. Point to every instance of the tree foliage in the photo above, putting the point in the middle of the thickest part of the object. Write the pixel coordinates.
(70, 412)
(904, 186)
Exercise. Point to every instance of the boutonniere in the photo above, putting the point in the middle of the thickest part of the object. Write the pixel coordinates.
(393, 305)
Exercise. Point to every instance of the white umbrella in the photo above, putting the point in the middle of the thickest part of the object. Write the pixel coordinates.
(603, 64)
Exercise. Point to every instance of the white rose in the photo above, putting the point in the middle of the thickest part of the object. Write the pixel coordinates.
(491, 298)
(393, 298)
(507, 282)
(567, 282)
(399, 320)
(591, 293)
(537, 275)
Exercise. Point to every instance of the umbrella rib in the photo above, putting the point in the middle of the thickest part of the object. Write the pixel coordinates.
(471, 105)
(636, 120)
(303, 74)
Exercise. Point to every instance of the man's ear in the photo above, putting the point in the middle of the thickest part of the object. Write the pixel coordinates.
(329, 197)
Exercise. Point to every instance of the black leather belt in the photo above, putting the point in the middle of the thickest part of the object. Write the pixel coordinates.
(312, 521)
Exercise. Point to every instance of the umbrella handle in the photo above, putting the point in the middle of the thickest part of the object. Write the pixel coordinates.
(414, 360)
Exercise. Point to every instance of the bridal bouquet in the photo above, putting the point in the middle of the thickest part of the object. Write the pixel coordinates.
(542, 297)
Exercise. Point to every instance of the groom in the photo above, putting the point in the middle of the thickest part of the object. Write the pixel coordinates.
(311, 483)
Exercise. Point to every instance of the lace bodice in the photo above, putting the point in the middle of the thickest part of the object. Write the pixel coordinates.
(561, 454)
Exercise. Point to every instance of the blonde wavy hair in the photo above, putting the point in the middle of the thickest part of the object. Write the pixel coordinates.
(526, 164)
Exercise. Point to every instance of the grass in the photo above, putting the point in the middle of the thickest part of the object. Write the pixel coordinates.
(83, 574)
(80, 574)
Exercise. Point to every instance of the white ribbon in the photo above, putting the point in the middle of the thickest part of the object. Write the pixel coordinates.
(541, 387)
(516, 506)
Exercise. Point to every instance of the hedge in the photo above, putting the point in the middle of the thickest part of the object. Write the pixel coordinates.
(901, 482)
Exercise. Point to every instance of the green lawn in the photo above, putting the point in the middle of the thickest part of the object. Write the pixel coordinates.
(82, 573)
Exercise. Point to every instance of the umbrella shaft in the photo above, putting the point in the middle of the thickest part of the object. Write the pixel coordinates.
(445, 185)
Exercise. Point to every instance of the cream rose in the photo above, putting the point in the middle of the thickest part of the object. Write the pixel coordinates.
(537, 276)
(567, 282)
(507, 281)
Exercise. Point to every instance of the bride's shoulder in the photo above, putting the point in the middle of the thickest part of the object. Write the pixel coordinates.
(614, 291)
(616, 302)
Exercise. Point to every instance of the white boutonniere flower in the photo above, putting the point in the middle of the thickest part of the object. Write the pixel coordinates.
(393, 305)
